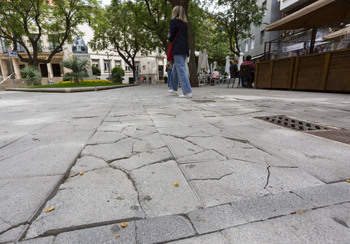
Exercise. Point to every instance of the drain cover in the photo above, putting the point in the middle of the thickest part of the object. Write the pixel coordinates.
(292, 123)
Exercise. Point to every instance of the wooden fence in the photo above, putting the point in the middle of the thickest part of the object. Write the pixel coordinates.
(328, 71)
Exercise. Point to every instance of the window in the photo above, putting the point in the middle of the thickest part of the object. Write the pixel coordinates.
(20, 48)
(246, 45)
(252, 42)
(43, 70)
(95, 63)
(56, 69)
(118, 63)
(53, 42)
(264, 6)
(3, 46)
(143, 67)
(262, 37)
(106, 66)
(21, 66)
(127, 68)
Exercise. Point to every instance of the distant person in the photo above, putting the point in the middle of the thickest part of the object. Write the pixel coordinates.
(234, 72)
(168, 68)
(246, 82)
(150, 80)
(214, 77)
(178, 29)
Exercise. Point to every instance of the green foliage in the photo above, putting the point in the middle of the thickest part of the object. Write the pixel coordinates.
(31, 75)
(66, 77)
(235, 20)
(23, 23)
(96, 71)
(116, 29)
(78, 67)
(118, 73)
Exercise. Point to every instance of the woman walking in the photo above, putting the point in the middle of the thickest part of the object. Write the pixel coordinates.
(178, 31)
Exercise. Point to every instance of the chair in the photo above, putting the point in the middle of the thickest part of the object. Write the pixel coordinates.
(233, 79)
(246, 75)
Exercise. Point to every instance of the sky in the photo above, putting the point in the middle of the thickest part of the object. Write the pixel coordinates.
(106, 2)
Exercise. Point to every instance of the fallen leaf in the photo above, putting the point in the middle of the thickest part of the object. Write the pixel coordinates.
(348, 181)
(81, 173)
(279, 149)
(176, 184)
(49, 209)
(299, 211)
(117, 236)
(124, 224)
(220, 130)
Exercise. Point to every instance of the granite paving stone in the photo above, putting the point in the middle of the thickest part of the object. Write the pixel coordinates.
(326, 194)
(288, 179)
(158, 195)
(205, 156)
(247, 180)
(112, 151)
(139, 131)
(265, 207)
(142, 159)
(111, 126)
(163, 229)
(40, 240)
(106, 137)
(180, 147)
(13, 235)
(215, 218)
(87, 163)
(212, 238)
(103, 234)
(19, 208)
(148, 143)
(99, 196)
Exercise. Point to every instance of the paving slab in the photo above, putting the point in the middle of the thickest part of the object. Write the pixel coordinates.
(246, 180)
(40, 240)
(158, 195)
(326, 194)
(100, 196)
(111, 151)
(148, 143)
(31, 193)
(265, 207)
(215, 218)
(86, 164)
(180, 147)
(216, 238)
(144, 158)
(14, 234)
(108, 126)
(163, 229)
(204, 156)
(284, 179)
(101, 137)
(313, 226)
(103, 234)
(139, 131)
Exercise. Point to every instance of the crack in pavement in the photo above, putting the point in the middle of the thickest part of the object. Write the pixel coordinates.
(268, 176)
(218, 178)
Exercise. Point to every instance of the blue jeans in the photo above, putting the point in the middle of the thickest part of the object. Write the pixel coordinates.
(179, 73)
(169, 79)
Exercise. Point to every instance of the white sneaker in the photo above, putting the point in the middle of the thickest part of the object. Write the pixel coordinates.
(172, 92)
(188, 95)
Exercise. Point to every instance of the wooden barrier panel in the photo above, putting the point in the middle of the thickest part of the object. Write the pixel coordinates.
(315, 72)
(282, 73)
(338, 78)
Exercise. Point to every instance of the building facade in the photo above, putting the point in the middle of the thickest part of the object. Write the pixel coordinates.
(255, 46)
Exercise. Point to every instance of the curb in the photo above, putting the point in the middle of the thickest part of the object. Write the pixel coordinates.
(67, 90)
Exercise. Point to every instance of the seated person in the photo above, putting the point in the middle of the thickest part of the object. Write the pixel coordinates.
(245, 80)
(214, 76)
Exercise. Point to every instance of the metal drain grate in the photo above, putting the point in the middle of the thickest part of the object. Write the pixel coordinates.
(292, 123)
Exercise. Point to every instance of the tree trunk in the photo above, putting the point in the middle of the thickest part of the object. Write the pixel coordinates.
(192, 63)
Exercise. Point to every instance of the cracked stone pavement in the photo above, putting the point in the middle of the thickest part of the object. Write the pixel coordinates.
(107, 157)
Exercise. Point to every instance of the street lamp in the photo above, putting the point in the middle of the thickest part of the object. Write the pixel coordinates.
(109, 66)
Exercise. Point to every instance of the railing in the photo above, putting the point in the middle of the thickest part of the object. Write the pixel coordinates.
(317, 72)
(7, 78)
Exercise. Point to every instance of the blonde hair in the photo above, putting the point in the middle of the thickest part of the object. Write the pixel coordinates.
(179, 13)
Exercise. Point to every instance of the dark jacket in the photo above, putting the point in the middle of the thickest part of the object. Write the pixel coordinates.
(180, 46)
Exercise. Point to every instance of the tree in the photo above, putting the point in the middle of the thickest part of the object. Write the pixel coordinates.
(118, 73)
(24, 23)
(236, 19)
(78, 67)
(116, 28)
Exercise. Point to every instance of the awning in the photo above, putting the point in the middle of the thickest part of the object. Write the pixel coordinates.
(338, 34)
(317, 14)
